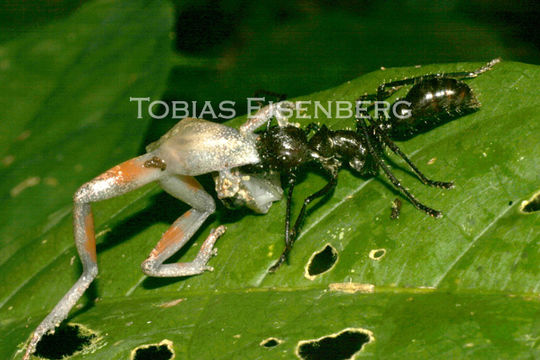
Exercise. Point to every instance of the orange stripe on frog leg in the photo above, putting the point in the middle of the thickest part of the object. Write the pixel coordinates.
(172, 235)
(118, 180)
(191, 182)
(90, 244)
(127, 172)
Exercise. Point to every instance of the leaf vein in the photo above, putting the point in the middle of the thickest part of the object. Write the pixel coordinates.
(471, 244)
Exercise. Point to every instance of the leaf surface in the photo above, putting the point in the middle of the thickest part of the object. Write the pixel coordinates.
(465, 285)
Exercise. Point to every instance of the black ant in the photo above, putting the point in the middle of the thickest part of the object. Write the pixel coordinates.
(434, 99)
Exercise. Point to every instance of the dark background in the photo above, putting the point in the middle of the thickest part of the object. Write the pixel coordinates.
(227, 50)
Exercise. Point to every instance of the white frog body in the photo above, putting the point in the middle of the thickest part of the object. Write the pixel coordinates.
(196, 146)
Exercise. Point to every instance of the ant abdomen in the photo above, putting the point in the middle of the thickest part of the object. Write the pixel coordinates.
(433, 101)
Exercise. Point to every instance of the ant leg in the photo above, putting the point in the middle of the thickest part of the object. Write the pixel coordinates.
(288, 241)
(187, 189)
(382, 93)
(440, 184)
(120, 179)
(377, 128)
(474, 73)
(372, 100)
(364, 131)
(325, 190)
(296, 229)
(263, 92)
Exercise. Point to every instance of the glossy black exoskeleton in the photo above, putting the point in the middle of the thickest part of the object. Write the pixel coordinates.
(287, 149)
(433, 102)
(434, 99)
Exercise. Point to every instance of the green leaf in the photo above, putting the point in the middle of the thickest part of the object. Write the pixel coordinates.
(65, 99)
(462, 286)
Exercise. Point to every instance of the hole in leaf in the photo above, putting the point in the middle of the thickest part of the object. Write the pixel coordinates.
(321, 261)
(531, 205)
(66, 340)
(341, 346)
(377, 254)
(161, 351)
(270, 342)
